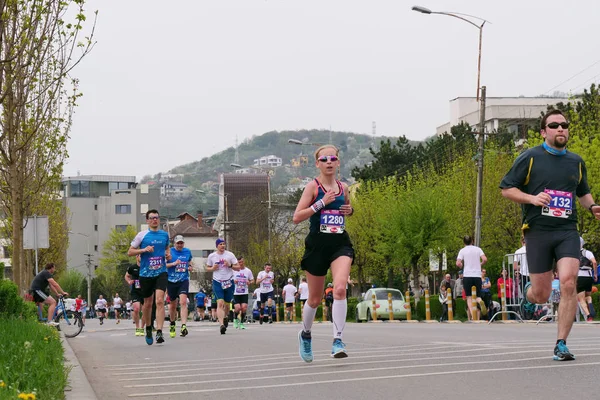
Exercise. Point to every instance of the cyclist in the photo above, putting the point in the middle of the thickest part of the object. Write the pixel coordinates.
(38, 290)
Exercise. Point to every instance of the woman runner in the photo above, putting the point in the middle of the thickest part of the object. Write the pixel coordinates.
(326, 203)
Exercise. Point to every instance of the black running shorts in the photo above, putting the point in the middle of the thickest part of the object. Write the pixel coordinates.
(469, 282)
(240, 299)
(150, 285)
(546, 247)
(584, 284)
(321, 249)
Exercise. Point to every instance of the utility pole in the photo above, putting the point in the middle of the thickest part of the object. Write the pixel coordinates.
(480, 168)
(88, 262)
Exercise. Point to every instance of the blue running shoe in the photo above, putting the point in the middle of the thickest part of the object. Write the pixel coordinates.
(526, 305)
(305, 342)
(149, 339)
(339, 349)
(562, 353)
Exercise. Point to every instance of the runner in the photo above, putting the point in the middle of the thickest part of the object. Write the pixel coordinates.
(40, 283)
(289, 296)
(222, 263)
(242, 279)
(471, 258)
(265, 279)
(303, 290)
(79, 307)
(153, 246)
(179, 284)
(326, 203)
(132, 277)
(545, 180)
(117, 302)
(200, 298)
(211, 306)
(102, 307)
(585, 281)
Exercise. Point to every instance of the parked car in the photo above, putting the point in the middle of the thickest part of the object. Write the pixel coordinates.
(364, 309)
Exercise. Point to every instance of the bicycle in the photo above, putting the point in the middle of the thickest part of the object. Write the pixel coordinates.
(69, 322)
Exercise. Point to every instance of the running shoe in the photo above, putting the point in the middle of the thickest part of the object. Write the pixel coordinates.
(149, 339)
(52, 323)
(305, 346)
(483, 308)
(338, 350)
(242, 325)
(184, 330)
(260, 319)
(236, 324)
(223, 329)
(562, 353)
(159, 337)
(226, 321)
(172, 331)
(139, 332)
(589, 319)
(270, 320)
(526, 305)
(118, 321)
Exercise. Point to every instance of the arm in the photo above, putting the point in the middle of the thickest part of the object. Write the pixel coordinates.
(487, 285)
(483, 259)
(210, 268)
(587, 201)
(459, 263)
(305, 209)
(259, 279)
(56, 287)
(235, 267)
(174, 263)
(128, 279)
(518, 196)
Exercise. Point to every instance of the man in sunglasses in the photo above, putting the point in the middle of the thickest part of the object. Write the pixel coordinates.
(153, 246)
(545, 180)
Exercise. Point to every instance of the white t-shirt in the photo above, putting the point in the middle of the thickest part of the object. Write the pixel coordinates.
(241, 279)
(208, 301)
(290, 293)
(266, 286)
(117, 302)
(222, 273)
(128, 306)
(303, 289)
(256, 294)
(101, 303)
(471, 256)
(587, 272)
(521, 258)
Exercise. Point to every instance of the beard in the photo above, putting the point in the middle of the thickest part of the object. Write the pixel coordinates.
(560, 142)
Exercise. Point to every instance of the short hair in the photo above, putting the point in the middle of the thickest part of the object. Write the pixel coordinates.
(268, 265)
(467, 240)
(326, 146)
(49, 266)
(549, 114)
(303, 279)
(153, 211)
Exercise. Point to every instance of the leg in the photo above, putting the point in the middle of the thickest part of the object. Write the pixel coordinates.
(136, 314)
(51, 307)
(315, 290)
(221, 310)
(147, 311)
(160, 308)
(173, 311)
(581, 299)
(567, 272)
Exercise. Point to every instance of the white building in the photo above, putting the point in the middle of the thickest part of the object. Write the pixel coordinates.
(173, 189)
(511, 112)
(268, 161)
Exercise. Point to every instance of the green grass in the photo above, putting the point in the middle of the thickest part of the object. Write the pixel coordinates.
(31, 360)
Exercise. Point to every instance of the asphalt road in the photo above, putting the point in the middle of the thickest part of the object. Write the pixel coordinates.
(399, 361)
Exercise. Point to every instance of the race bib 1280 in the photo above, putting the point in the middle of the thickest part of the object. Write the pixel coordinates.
(561, 204)
(332, 221)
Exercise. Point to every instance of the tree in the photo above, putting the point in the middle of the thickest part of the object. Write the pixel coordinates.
(38, 50)
(114, 261)
(72, 282)
(390, 160)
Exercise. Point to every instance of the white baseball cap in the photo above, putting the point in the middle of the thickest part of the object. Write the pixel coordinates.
(178, 238)
(290, 280)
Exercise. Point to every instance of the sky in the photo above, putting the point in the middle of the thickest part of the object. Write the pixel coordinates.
(169, 83)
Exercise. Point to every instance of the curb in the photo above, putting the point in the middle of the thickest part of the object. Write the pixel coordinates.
(78, 386)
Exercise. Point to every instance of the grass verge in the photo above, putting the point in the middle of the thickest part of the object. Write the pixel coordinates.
(31, 361)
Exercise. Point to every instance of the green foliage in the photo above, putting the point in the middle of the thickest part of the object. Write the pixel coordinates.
(31, 356)
(114, 263)
(12, 305)
(71, 281)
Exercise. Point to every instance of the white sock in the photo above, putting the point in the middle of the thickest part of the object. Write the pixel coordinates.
(338, 313)
(308, 317)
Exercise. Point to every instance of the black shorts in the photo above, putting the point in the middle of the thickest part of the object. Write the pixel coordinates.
(102, 310)
(213, 305)
(584, 284)
(321, 249)
(200, 307)
(151, 285)
(264, 297)
(174, 289)
(545, 247)
(288, 305)
(39, 296)
(469, 282)
(136, 296)
(302, 301)
(240, 299)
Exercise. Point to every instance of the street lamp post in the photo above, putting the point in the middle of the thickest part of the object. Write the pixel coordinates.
(88, 263)
(480, 138)
(268, 172)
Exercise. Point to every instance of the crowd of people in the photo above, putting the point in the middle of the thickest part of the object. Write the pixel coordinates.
(544, 179)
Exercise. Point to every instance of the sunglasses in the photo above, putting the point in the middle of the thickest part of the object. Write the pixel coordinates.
(555, 125)
(328, 158)
(153, 218)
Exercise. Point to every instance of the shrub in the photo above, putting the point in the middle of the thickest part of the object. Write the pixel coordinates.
(12, 305)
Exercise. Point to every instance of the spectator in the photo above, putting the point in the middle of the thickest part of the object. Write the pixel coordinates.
(486, 294)
(458, 286)
(443, 298)
(448, 283)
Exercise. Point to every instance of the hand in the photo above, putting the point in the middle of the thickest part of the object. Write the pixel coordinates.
(596, 211)
(541, 199)
(149, 249)
(346, 209)
(178, 262)
(65, 294)
(168, 255)
(329, 197)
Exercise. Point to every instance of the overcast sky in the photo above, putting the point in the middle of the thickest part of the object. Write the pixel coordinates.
(172, 82)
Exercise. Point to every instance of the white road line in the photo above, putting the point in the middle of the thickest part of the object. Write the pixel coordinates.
(370, 378)
(329, 363)
(118, 334)
(345, 371)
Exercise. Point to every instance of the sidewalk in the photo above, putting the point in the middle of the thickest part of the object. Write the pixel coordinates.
(78, 386)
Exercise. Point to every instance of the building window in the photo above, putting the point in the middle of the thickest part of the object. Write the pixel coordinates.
(95, 247)
(123, 209)
(206, 253)
(96, 228)
(95, 267)
(95, 207)
(121, 228)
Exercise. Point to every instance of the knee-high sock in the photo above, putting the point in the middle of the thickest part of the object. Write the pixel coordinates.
(338, 314)
(308, 317)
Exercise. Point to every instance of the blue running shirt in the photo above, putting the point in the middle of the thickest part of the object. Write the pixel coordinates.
(180, 273)
(152, 264)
